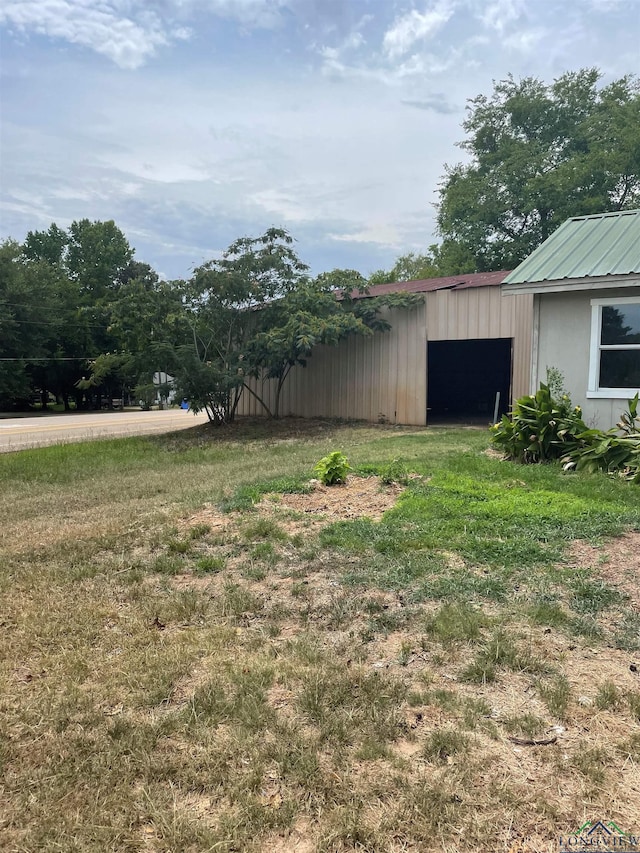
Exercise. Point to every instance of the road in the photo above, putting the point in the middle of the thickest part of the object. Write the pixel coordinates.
(21, 433)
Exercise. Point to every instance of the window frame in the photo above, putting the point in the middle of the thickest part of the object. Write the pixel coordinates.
(596, 347)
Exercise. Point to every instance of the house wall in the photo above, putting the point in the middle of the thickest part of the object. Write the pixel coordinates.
(564, 329)
(385, 376)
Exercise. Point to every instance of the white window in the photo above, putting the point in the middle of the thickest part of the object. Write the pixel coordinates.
(614, 365)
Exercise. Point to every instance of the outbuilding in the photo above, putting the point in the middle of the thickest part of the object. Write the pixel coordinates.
(460, 355)
(585, 283)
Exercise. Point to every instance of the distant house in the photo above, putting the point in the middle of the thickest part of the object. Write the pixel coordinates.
(585, 282)
(451, 357)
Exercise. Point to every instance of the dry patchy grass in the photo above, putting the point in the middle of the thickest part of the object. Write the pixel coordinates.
(176, 678)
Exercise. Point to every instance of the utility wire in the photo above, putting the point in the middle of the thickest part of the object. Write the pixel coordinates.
(53, 358)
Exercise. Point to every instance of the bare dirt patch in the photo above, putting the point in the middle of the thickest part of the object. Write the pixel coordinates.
(358, 497)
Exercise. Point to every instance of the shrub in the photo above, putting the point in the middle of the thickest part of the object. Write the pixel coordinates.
(395, 472)
(540, 428)
(614, 451)
(543, 428)
(332, 470)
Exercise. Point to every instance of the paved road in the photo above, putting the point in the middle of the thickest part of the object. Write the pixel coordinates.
(20, 433)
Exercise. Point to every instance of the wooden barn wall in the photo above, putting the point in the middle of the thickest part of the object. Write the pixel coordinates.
(384, 377)
(482, 312)
(381, 377)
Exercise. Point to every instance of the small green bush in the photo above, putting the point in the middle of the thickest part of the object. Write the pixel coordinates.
(544, 428)
(332, 470)
(540, 428)
(616, 451)
(395, 472)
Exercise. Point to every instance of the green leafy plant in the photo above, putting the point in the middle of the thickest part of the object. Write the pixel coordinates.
(395, 472)
(540, 428)
(332, 470)
(616, 451)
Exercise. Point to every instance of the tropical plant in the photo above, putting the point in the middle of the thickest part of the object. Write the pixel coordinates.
(616, 451)
(540, 428)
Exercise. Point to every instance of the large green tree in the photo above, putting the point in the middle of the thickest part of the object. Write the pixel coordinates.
(444, 259)
(256, 312)
(224, 299)
(90, 265)
(539, 154)
(28, 321)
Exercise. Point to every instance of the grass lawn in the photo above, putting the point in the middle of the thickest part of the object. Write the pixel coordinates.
(200, 651)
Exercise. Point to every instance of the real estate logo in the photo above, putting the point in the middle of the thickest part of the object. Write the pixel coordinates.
(599, 835)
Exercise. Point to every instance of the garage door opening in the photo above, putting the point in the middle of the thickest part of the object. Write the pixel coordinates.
(463, 378)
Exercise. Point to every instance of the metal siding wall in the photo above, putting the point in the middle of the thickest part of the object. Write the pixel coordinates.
(386, 374)
(363, 377)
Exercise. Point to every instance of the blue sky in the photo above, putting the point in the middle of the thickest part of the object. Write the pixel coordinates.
(193, 122)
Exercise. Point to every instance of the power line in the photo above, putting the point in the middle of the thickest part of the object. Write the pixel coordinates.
(78, 322)
(53, 358)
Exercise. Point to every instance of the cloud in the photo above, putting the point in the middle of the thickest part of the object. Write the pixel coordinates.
(128, 32)
(102, 27)
(414, 27)
(498, 15)
(438, 102)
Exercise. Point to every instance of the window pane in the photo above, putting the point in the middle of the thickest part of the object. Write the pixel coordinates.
(620, 324)
(620, 369)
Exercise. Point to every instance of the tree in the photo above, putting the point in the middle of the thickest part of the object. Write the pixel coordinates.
(256, 312)
(540, 154)
(224, 299)
(447, 258)
(91, 263)
(27, 321)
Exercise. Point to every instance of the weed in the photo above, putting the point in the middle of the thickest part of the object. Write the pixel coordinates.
(395, 472)
(443, 743)
(555, 693)
(500, 650)
(526, 725)
(627, 635)
(253, 572)
(353, 703)
(199, 531)
(455, 622)
(592, 597)
(264, 528)
(591, 763)
(340, 610)
(547, 611)
(633, 700)
(209, 564)
(608, 697)
(585, 626)
(167, 565)
(631, 747)
(406, 650)
(179, 546)
(332, 470)
(237, 601)
(384, 622)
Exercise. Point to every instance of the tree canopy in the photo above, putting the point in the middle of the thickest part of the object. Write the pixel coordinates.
(256, 312)
(540, 154)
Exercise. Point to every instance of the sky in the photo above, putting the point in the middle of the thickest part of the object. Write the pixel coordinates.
(194, 122)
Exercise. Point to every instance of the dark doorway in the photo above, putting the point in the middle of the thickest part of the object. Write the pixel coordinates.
(463, 378)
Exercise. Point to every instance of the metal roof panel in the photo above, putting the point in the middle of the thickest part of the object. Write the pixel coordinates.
(585, 247)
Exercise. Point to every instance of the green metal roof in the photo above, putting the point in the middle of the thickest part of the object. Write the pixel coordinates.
(585, 247)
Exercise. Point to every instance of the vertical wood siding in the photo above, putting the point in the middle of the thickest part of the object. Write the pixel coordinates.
(384, 376)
